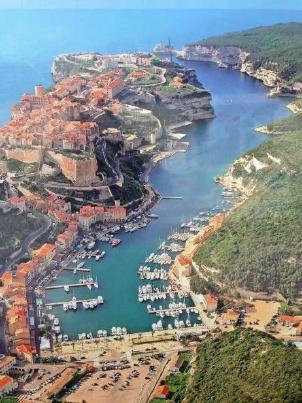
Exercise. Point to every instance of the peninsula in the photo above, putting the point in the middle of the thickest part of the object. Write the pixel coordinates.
(271, 54)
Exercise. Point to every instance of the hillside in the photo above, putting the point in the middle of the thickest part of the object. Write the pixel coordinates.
(279, 45)
(246, 366)
(259, 245)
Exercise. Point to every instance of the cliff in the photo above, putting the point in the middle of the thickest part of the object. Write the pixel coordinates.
(69, 64)
(257, 247)
(270, 54)
(173, 104)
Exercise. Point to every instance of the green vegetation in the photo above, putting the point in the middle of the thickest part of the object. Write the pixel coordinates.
(292, 123)
(21, 168)
(201, 286)
(35, 188)
(246, 366)
(9, 399)
(259, 245)
(14, 228)
(152, 79)
(278, 47)
(177, 382)
(131, 190)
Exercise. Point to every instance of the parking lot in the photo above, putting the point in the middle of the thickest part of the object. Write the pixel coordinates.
(114, 382)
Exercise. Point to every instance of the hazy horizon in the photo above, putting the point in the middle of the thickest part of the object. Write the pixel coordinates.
(161, 4)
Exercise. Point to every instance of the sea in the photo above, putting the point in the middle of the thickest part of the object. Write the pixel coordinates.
(30, 39)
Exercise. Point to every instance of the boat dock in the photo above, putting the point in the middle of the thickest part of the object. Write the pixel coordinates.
(67, 302)
(55, 287)
(77, 269)
(172, 197)
(154, 294)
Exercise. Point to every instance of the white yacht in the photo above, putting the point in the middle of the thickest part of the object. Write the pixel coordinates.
(66, 288)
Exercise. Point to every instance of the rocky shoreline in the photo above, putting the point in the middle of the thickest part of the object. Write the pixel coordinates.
(237, 59)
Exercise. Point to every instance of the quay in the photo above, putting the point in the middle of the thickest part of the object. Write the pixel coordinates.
(55, 287)
(67, 302)
(77, 269)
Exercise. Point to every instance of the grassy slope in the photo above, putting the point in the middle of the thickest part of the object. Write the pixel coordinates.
(246, 366)
(253, 246)
(14, 228)
(280, 43)
(292, 123)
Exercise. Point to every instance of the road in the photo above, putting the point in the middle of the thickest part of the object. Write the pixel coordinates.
(28, 241)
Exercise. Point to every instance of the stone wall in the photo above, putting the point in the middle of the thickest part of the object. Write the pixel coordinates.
(27, 155)
(79, 171)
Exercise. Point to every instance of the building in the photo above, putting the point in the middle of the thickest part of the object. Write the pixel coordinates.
(162, 392)
(183, 266)
(114, 87)
(231, 317)
(26, 352)
(90, 215)
(209, 301)
(39, 90)
(288, 320)
(6, 363)
(45, 254)
(19, 202)
(299, 329)
(7, 385)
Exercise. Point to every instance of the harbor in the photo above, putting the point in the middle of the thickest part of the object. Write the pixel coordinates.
(161, 234)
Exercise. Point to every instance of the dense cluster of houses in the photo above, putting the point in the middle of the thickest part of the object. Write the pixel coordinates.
(52, 119)
(20, 315)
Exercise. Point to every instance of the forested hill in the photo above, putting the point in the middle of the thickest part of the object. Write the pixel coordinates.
(245, 366)
(258, 246)
(278, 47)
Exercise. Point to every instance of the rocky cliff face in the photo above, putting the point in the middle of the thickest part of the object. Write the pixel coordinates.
(224, 56)
(236, 58)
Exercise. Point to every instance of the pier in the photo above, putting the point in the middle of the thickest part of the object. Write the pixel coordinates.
(172, 197)
(77, 269)
(167, 311)
(154, 294)
(67, 302)
(55, 287)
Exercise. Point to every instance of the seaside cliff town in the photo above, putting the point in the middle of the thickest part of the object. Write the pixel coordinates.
(75, 161)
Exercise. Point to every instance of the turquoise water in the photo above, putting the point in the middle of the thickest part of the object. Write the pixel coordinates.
(240, 104)
(30, 40)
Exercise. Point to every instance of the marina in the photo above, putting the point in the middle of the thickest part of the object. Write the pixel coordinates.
(214, 145)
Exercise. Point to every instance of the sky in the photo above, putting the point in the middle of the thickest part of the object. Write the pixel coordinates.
(206, 4)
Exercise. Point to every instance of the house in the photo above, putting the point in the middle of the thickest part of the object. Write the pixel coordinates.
(209, 301)
(288, 320)
(6, 363)
(162, 392)
(114, 87)
(18, 202)
(26, 351)
(183, 265)
(45, 254)
(231, 317)
(299, 329)
(7, 385)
